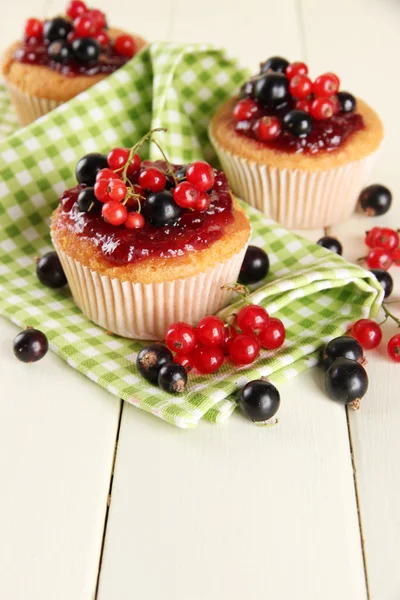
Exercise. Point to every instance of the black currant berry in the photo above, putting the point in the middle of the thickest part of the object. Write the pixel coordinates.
(85, 50)
(180, 173)
(347, 102)
(331, 243)
(59, 51)
(271, 90)
(346, 381)
(342, 347)
(385, 279)
(172, 378)
(160, 209)
(375, 200)
(30, 345)
(87, 201)
(50, 272)
(150, 360)
(88, 167)
(259, 400)
(275, 63)
(255, 266)
(298, 123)
(56, 29)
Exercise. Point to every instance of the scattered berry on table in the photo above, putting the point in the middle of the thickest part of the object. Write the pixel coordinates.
(208, 359)
(160, 209)
(259, 400)
(331, 243)
(186, 360)
(30, 345)
(385, 279)
(375, 200)
(276, 64)
(50, 272)
(379, 258)
(252, 319)
(210, 331)
(342, 347)
(371, 236)
(88, 167)
(387, 238)
(230, 332)
(255, 266)
(244, 349)
(181, 337)
(346, 381)
(273, 335)
(298, 123)
(150, 360)
(368, 333)
(396, 257)
(172, 378)
(393, 347)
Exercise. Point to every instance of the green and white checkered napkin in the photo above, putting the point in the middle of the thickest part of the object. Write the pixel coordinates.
(316, 293)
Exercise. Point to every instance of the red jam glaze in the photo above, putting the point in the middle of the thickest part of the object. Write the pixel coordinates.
(327, 135)
(36, 54)
(192, 232)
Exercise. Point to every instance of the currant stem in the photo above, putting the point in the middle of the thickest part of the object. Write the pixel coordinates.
(240, 289)
(389, 315)
(169, 166)
(136, 147)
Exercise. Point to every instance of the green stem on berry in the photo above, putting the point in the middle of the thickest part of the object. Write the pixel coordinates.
(389, 315)
(240, 289)
(136, 147)
(169, 166)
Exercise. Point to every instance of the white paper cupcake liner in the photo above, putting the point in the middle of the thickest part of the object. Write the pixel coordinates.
(297, 198)
(27, 107)
(145, 311)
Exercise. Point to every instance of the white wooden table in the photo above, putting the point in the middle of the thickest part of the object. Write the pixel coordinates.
(100, 500)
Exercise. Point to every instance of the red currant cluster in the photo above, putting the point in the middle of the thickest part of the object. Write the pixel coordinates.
(384, 244)
(205, 348)
(369, 334)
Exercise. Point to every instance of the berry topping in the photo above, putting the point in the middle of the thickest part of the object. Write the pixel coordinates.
(208, 359)
(210, 331)
(85, 49)
(347, 102)
(125, 45)
(342, 347)
(98, 18)
(296, 68)
(114, 212)
(160, 209)
(375, 200)
(87, 201)
(252, 319)
(202, 202)
(152, 179)
(117, 158)
(368, 333)
(255, 266)
(271, 90)
(385, 279)
(30, 345)
(101, 190)
(246, 109)
(107, 174)
(88, 167)
(326, 85)
(102, 38)
(275, 63)
(181, 338)
(298, 123)
(172, 378)
(331, 243)
(267, 129)
(59, 51)
(50, 272)
(84, 26)
(33, 29)
(393, 347)
(201, 175)
(322, 108)
(150, 360)
(300, 86)
(186, 195)
(259, 400)
(135, 220)
(244, 349)
(346, 381)
(56, 29)
(273, 335)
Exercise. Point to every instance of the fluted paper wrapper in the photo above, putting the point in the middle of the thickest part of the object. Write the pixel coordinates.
(144, 311)
(297, 198)
(27, 107)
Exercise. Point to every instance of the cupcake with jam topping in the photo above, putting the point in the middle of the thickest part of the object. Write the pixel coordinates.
(298, 150)
(146, 244)
(62, 57)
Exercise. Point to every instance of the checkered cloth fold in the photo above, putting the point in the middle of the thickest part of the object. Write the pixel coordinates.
(317, 294)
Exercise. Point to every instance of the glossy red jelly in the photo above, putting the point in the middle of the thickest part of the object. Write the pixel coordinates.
(36, 54)
(327, 135)
(192, 232)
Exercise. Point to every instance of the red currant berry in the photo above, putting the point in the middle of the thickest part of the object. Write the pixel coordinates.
(210, 331)
(117, 190)
(267, 129)
(102, 38)
(273, 335)
(71, 37)
(371, 236)
(387, 238)
(97, 17)
(326, 85)
(252, 319)
(101, 190)
(244, 349)
(76, 8)
(117, 158)
(230, 333)
(396, 257)
(379, 258)
(114, 213)
(321, 108)
(300, 86)
(201, 174)
(296, 68)
(135, 165)
(304, 105)
(108, 174)
(208, 360)
(181, 338)
(125, 45)
(84, 26)
(186, 195)
(246, 109)
(152, 179)
(186, 360)
(335, 104)
(135, 220)
(202, 202)
(393, 347)
(133, 201)
(368, 333)
(34, 28)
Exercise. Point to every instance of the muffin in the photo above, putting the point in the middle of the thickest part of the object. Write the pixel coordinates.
(148, 243)
(62, 57)
(300, 151)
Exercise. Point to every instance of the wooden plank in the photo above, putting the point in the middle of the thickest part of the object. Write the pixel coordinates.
(362, 65)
